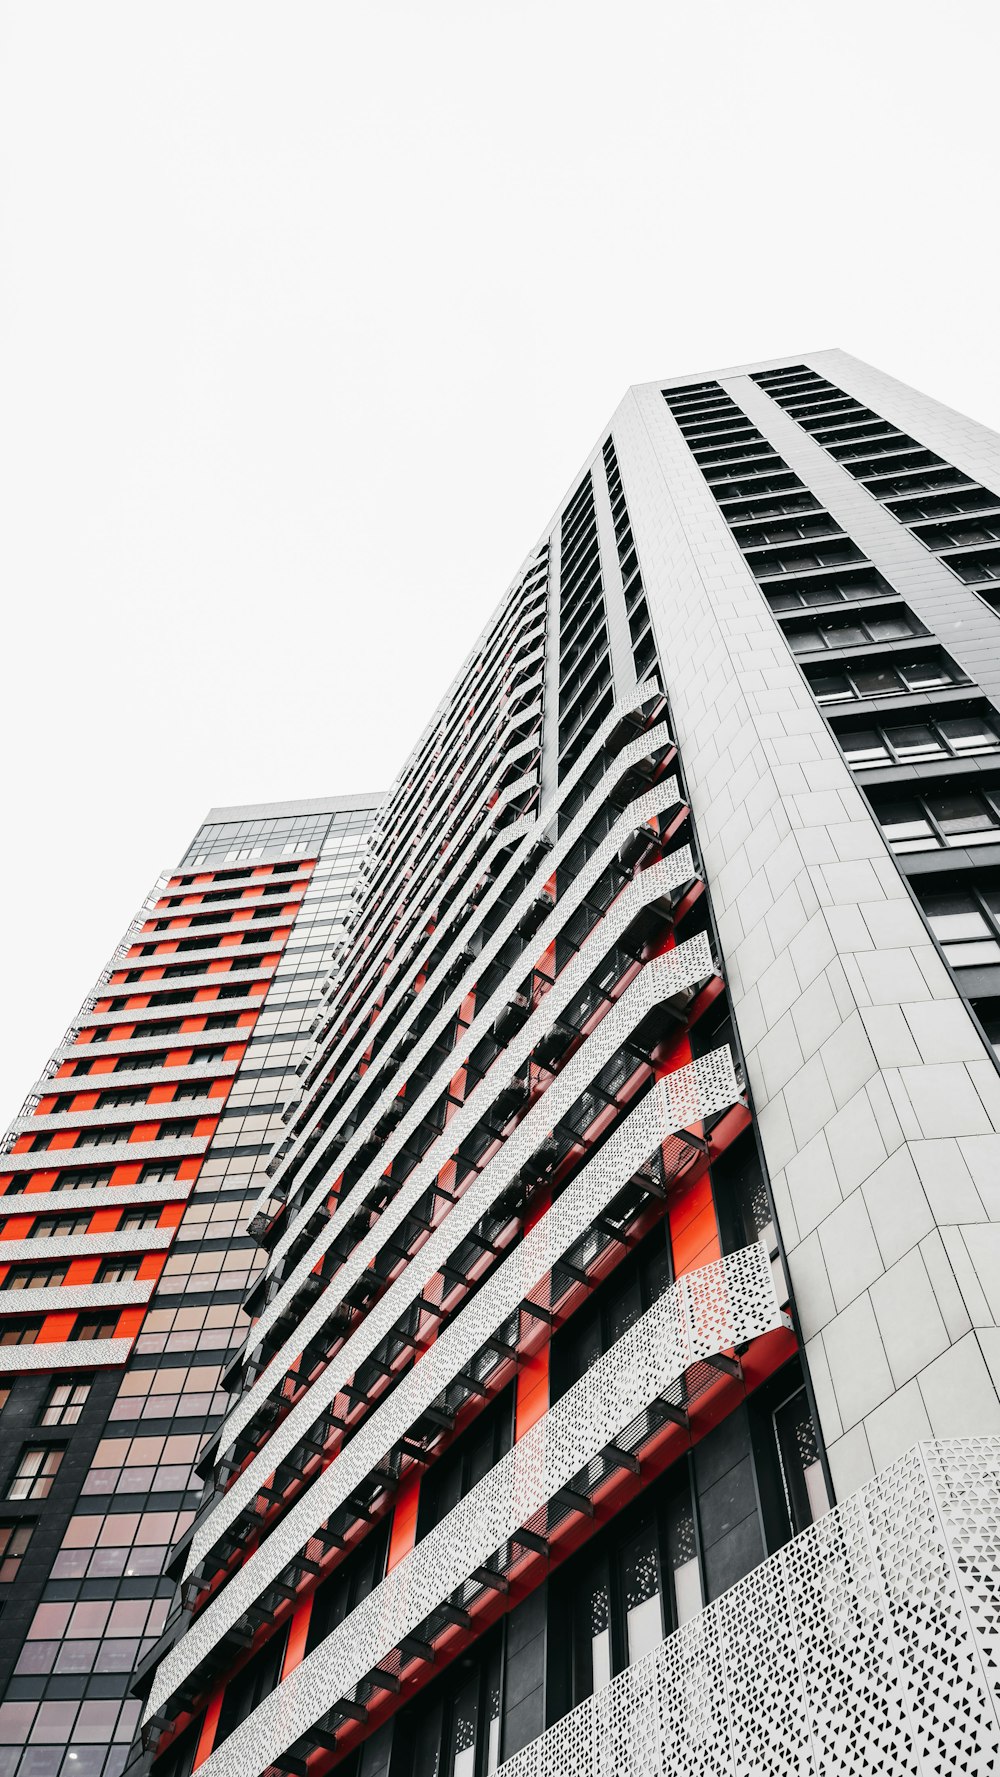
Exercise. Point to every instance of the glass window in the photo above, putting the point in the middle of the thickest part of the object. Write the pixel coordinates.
(801, 1469)
(34, 1277)
(458, 1733)
(865, 747)
(95, 1329)
(928, 671)
(59, 1227)
(36, 1470)
(965, 819)
(65, 1403)
(682, 1552)
(834, 633)
(14, 1540)
(969, 734)
(119, 1271)
(20, 1332)
(831, 687)
(248, 1687)
(641, 1588)
(889, 629)
(875, 680)
(913, 741)
(906, 827)
(958, 927)
(593, 1662)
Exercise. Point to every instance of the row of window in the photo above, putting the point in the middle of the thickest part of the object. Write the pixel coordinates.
(214, 1328)
(153, 1172)
(636, 608)
(40, 1277)
(584, 644)
(959, 515)
(914, 743)
(124, 1064)
(18, 1331)
(64, 1227)
(931, 820)
(916, 487)
(98, 1635)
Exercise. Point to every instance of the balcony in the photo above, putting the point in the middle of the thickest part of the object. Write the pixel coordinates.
(867, 1644)
(604, 1425)
(686, 1097)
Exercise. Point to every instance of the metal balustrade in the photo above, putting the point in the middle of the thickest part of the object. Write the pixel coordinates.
(653, 737)
(704, 1314)
(664, 976)
(528, 1276)
(868, 1644)
(653, 804)
(379, 963)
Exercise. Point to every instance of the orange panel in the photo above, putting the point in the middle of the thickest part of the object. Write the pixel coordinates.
(694, 1229)
(403, 1535)
(209, 1726)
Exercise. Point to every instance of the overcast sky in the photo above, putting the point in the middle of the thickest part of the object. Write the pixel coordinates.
(309, 313)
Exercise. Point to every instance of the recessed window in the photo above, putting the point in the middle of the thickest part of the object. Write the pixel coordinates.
(20, 1332)
(801, 1468)
(155, 1174)
(935, 820)
(134, 1220)
(965, 925)
(894, 676)
(96, 1329)
(910, 743)
(14, 1540)
(81, 1181)
(34, 1277)
(66, 1403)
(59, 1227)
(36, 1470)
(119, 1271)
(969, 734)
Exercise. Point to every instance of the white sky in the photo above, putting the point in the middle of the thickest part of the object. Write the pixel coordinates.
(308, 314)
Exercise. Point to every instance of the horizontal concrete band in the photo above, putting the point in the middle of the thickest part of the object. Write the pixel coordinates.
(164, 1112)
(86, 1246)
(85, 1295)
(250, 1002)
(34, 1203)
(78, 1354)
(123, 1153)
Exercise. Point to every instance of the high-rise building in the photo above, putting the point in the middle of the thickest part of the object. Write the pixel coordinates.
(621, 1393)
(124, 1258)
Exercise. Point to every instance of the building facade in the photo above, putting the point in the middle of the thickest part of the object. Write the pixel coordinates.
(125, 1257)
(621, 1392)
